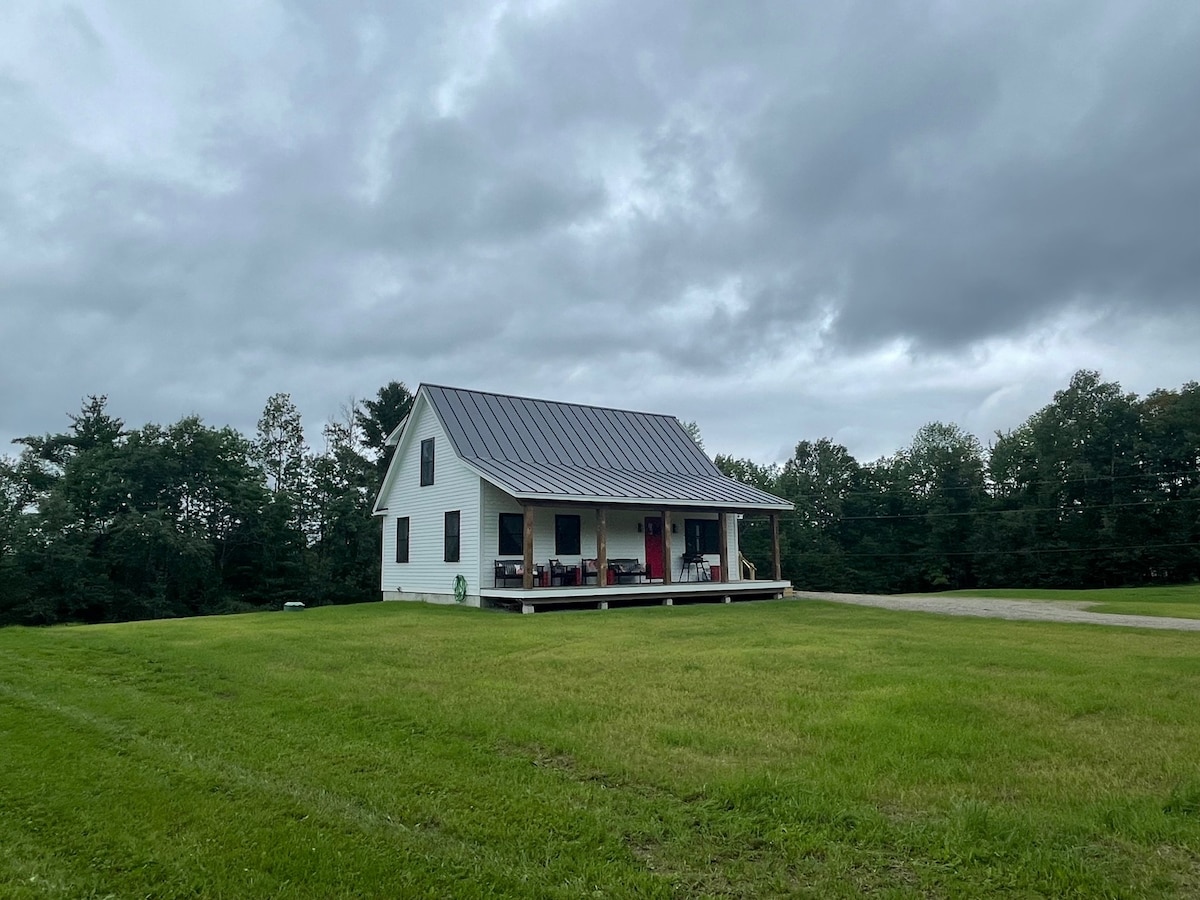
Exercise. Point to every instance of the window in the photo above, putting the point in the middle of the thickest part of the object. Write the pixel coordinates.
(566, 535)
(701, 536)
(452, 536)
(426, 462)
(402, 540)
(512, 534)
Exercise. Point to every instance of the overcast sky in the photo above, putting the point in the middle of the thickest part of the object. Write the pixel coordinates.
(783, 220)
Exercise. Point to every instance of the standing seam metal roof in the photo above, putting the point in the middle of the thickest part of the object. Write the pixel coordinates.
(547, 450)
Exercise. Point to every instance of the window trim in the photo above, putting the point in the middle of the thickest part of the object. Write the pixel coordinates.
(427, 460)
(559, 548)
(407, 526)
(452, 539)
(520, 534)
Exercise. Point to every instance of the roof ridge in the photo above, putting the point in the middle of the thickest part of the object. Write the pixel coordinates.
(716, 473)
(636, 412)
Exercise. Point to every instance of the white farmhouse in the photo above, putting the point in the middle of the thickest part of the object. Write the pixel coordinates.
(507, 501)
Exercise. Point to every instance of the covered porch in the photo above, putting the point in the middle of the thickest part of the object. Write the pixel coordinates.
(684, 553)
(617, 595)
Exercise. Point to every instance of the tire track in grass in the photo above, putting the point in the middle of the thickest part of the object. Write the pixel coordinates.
(319, 800)
(441, 851)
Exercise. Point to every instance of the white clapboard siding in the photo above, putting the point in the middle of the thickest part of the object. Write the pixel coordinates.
(495, 501)
(624, 539)
(455, 487)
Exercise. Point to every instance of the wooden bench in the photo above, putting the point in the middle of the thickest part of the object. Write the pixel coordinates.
(627, 571)
(511, 570)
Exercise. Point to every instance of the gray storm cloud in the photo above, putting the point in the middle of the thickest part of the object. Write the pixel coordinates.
(193, 215)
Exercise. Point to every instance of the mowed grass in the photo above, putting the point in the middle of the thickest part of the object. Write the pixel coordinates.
(1177, 601)
(793, 748)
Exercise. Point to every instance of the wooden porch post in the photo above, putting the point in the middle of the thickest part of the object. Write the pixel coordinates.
(666, 546)
(601, 547)
(527, 568)
(775, 546)
(723, 537)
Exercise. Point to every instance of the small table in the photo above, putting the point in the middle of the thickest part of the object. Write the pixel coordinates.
(696, 566)
(567, 576)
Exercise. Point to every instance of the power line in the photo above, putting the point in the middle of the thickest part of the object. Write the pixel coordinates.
(795, 516)
(984, 487)
(1000, 552)
(798, 516)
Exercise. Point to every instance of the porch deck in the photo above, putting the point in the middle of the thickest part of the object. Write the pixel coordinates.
(528, 601)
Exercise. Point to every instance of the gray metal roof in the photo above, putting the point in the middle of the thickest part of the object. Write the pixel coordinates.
(540, 449)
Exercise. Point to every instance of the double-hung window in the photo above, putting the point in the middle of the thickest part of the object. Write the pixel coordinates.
(512, 534)
(402, 540)
(451, 540)
(566, 535)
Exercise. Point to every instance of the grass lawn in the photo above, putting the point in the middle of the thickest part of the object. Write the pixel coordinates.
(791, 748)
(1178, 601)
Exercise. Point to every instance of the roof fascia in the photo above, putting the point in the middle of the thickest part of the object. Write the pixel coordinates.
(394, 437)
(640, 502)
(400, 432)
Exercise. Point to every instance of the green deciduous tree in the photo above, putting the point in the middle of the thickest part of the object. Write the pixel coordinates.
(818, 479)
(754, 536)
(279, 446)
(346, 549)
(1070, 477)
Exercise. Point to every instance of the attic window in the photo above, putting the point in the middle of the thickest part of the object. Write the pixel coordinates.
(426, 462)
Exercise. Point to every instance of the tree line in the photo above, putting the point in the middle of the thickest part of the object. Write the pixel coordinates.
(1100, 488)
(104, 523)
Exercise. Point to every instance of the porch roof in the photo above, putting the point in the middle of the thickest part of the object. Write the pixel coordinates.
(543, 450)
(547, 482)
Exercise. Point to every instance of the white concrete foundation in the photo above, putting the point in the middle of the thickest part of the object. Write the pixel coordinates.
(607, 596)
(423, 597)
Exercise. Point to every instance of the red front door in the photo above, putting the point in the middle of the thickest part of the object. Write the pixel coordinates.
(654, 560)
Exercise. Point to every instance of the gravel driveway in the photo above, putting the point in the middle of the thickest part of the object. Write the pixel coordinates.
(992, 608)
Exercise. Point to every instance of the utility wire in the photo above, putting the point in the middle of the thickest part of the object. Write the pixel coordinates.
(998, 552)
(984, 487)
(796, 516)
